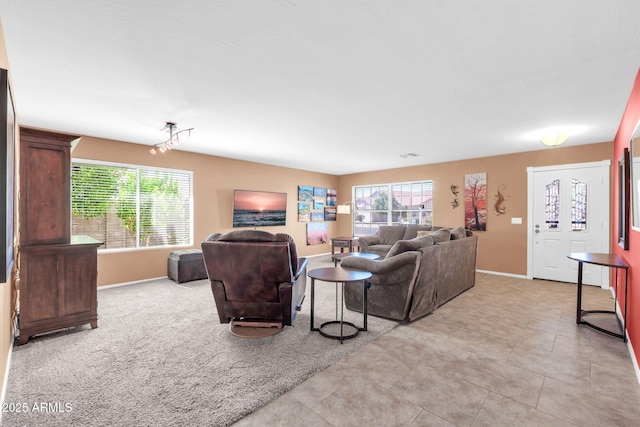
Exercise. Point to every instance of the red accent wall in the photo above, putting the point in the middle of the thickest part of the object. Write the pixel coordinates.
(628, 123)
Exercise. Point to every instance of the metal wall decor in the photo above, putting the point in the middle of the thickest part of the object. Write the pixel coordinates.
(500, 198)
(454, 190)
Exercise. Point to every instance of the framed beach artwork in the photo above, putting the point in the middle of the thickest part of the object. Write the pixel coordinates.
(318, 205)
(317, 233)
(332, 197)
(304, 211)
(317, 216)
(319, 192)
(305, 193)
(330, 213)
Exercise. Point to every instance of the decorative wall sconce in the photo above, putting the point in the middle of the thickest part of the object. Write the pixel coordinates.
(174, 138)
(345, 208)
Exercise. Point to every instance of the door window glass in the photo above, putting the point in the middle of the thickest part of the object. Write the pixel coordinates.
(578, 205)
(552, 205)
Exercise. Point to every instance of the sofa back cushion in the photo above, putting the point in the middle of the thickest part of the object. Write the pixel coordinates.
(411, 231)
(409, 245)
(389, 234)
(439, 235)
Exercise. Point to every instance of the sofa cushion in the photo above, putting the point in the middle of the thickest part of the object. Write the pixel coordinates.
(458, 233)
(389, 234)
(411, 231)
(439, 235)
(410, 245)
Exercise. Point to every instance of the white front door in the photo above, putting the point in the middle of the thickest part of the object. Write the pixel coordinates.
(569, 208)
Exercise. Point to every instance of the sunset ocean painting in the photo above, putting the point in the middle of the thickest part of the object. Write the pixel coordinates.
(259, 208)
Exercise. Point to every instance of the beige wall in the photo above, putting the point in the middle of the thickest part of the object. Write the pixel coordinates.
(214, 179)
(503, 247)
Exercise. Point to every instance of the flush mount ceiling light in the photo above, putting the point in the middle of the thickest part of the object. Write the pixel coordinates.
(554, 139)
(174, 138)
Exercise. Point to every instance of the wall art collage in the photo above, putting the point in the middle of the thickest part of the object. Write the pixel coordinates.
(316, 206)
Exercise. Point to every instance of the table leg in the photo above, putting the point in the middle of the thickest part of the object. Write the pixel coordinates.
(341, 312)
(579, 303)
(312, 300)
(364, 304)
(624, 326)
(337, 300)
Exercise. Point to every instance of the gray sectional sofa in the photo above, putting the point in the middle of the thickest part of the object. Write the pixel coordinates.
(416, 275)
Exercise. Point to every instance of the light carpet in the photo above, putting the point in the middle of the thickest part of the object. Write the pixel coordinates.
(160, 357)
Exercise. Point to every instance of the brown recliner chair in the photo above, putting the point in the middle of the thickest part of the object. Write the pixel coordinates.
(257, 280)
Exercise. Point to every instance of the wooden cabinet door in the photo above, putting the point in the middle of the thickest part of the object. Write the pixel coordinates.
(39, 290)
(45, 187)
(79, 282)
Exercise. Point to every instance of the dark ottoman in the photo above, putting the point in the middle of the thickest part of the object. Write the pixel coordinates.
(187, 265)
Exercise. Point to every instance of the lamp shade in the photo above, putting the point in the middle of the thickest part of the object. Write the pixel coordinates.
(344, 209)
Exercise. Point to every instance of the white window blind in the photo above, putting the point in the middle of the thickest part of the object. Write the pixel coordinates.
(128, 206)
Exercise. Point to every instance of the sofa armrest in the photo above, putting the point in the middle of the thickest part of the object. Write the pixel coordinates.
(366, 241)
(383, 266)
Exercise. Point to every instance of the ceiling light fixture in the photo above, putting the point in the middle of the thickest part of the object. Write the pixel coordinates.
(554, 139)
(174, 138)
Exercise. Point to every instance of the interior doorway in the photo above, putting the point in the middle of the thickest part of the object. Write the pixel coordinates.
(568, 212)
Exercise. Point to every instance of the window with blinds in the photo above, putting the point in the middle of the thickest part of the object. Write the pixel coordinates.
(127, 206)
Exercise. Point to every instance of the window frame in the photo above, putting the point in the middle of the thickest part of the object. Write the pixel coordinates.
(139, 169)
(390, 211)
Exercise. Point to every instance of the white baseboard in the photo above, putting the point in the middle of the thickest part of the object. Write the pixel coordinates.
(135, 282)
(499, 273)
(634, 360)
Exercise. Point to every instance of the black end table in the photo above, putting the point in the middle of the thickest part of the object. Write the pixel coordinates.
(339, 275)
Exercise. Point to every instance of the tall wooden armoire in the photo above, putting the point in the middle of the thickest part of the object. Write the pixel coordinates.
(58, 273)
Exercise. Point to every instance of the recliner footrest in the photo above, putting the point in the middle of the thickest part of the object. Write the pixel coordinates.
(257, 323)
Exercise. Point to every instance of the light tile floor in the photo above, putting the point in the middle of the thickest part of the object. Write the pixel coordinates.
(505, 353)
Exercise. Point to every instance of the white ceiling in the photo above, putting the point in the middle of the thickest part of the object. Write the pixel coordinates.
(335, 86)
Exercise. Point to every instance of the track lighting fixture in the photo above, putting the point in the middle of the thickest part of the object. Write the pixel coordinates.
(174, 138)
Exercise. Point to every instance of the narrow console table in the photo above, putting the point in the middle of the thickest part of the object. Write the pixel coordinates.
(339, 275)
(606, 260)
